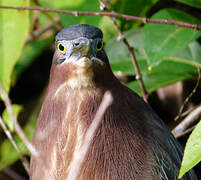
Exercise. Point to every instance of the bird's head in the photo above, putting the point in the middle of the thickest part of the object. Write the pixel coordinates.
(79, 57)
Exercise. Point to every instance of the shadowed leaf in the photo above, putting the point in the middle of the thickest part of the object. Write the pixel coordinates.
(193, 3)
(180, 66)
(160, 40)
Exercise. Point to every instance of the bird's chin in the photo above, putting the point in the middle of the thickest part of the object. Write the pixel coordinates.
(86, 62)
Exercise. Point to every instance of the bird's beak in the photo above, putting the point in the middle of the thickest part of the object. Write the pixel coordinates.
(79, 48)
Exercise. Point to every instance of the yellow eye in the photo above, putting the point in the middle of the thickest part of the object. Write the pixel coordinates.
(61, 48)
(99, 45)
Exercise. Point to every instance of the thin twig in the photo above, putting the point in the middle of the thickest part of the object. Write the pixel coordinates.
(110, 14)
(185, 113)
(181, 127)
(21, 134)
(185, 132)
(131, 52)
(55, 23)
(35, 34)
(10, 137)
(80, 154)
(189, 96)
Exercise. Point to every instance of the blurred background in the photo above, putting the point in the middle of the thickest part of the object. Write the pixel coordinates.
(169, 58)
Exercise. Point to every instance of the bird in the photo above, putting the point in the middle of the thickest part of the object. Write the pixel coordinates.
(131, 141)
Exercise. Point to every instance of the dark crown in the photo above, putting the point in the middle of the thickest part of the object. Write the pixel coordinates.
(79, 30)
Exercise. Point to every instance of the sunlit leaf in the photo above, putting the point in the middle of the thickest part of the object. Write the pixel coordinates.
(7, 118)
(15, 26)
(192, 153)
(107, 27)
(8, 154)
(84, 5)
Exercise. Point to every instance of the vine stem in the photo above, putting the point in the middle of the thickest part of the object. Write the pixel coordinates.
(110, 14)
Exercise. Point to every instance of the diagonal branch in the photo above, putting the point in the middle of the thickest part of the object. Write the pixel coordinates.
(131, 51)
(189, 120)
(110, 14)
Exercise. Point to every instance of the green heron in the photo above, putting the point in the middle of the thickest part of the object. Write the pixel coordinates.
(131, 142)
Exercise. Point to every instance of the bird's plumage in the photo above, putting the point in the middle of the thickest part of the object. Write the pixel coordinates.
(131, 142)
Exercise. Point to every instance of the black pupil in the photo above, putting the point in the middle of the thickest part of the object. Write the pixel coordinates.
(99, 45)
(61, 47)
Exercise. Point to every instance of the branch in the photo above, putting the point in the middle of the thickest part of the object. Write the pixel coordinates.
(181, 127)
(21, 134)
(185, 132)
(80, 154)
(37, 33)
(131, 52)
(110, 14)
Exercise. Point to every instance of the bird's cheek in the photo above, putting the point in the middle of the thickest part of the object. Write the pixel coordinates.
(58, 58)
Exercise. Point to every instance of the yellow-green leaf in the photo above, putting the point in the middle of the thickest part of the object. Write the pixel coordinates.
(192, 153)
(15, 26)
(6, 116)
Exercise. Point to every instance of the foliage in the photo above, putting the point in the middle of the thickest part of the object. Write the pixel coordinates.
(192, 154)
(166, 54)
(7, 118)
(14, 30)
(193, 3)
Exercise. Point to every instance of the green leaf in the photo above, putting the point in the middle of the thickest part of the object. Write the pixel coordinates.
(108, 29)
(130, 7)
(6, 116)
(166, 73)
(8, 154)
(160, 40)
(15, 28)
(193, 3)
(192, 153)
(30, 52)
(118, 51)
(84, 5)
(191, 54)
(180, 66)
(59, 4)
